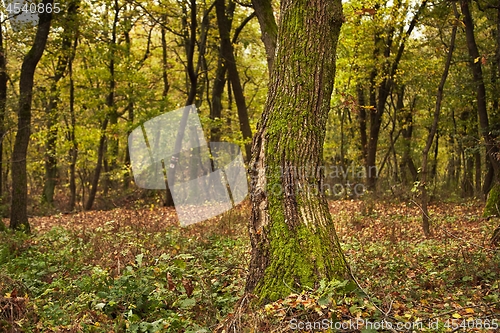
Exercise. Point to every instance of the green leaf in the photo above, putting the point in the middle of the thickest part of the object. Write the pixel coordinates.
(138, 259)
(324, 300)
(188, 303)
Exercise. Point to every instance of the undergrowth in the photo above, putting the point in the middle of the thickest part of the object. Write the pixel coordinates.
(118, 271)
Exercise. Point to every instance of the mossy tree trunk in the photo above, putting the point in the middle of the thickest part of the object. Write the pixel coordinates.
(293, 238)
(493, 203)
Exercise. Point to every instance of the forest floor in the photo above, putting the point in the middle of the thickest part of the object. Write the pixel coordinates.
(136, 270)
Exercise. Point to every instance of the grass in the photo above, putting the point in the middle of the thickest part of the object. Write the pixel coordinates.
(137, 271)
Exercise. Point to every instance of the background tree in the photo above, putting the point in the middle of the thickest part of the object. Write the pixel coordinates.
(432, 132)
(51, 109)
(18, 215)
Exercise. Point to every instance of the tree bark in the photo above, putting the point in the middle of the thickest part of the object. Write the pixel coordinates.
(18, 213)
(294, 244)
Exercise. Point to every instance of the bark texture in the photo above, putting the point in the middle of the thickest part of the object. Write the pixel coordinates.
(293, 238)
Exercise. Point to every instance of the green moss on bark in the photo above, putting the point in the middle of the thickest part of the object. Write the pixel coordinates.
(493, 203)
(294, 245)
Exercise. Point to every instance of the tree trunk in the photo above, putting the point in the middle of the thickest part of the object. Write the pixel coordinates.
(50, 149)
(73, 150)
(477, 73)
(3, 101)
(110, 148)
(97, 171)
(407, 163)
(430, 136)
(18, 213)
(217, 90)
(268, 28)
(362, 122)
(294, 244)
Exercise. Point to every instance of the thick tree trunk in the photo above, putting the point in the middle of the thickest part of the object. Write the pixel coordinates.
(18, 213)
(294, 244)
(477, 73)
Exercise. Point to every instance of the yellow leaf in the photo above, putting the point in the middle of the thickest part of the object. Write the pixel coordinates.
(469, 310)
(477, 59)
(456, 315)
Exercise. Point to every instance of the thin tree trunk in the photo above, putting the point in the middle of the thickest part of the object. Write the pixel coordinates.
(50, 150)
(430, 136)
(477, 177)
(192, 72)
(97, 171)
(111, 144)
(268, 28)
(3, 101)
(18, 213)
(362, 122)
(294, 244)
(73, 151)
(164, 64)
(217, 90)
(384, 88)
(70, 29)
(407, 163)
(233, 76)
